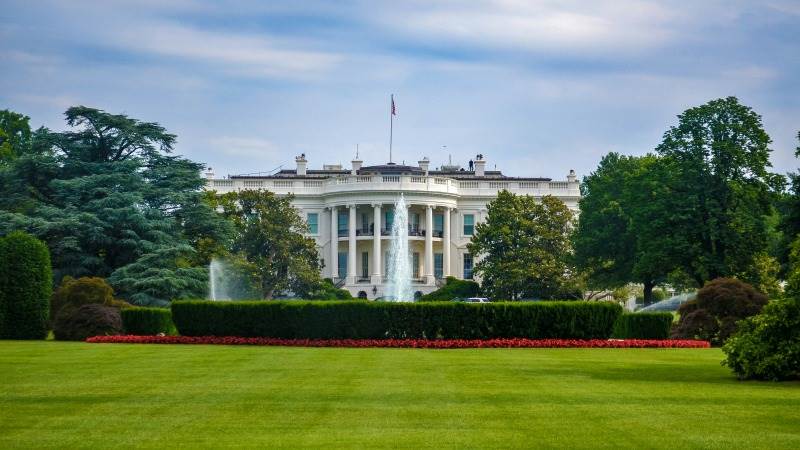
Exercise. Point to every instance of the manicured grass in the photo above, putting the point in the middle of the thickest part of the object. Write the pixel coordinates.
(110, 395)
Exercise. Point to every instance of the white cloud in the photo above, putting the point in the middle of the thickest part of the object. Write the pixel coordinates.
(571, 26)
(246, 147)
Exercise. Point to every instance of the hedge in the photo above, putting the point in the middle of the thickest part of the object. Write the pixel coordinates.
(643, 325)
(147, 321)
(377, 320)
(26, 284)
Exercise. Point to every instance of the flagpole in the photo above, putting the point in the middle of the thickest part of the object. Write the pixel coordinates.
(391, 126)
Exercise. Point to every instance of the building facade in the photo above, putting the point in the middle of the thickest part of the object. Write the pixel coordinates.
(350, 214)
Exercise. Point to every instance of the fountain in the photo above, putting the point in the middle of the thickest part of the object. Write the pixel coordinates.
(399, 286)
(217, 282)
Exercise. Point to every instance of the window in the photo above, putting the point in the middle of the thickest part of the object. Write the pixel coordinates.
(388, 219)
(438, 265)
(414, 225)
(342, 264)
(364, 265)
(343, 219)
(438, 223)
(467, 266)
(469, 224)
(415, 265)
(313, 223)
(364, 223)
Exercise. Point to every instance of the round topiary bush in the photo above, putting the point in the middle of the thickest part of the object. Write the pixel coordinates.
(76, 323)
(83, 291)
(26, 283)
(767, 345)
(718, 306)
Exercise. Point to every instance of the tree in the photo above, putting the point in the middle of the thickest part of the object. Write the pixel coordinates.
(789, 206)
(269, 235)
(108, 196)
(718, 156)
(15, 135)
(617, 240)
(26, 283)
(523, 248)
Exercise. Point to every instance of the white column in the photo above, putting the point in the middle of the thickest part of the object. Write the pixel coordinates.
(429, 245)
(334, 262)
(446, 244)
(376, 244)
(351, 241)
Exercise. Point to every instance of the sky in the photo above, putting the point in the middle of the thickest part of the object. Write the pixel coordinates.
(537, 87)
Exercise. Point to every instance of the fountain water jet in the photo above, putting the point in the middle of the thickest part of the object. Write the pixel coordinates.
(399, 286)
(217, 282)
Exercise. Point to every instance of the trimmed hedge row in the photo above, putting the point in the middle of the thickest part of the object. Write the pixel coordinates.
(26, 284)
(643, 325)
(375, 320)
(147, 321)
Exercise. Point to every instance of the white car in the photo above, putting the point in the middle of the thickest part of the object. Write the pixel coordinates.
(477, 300)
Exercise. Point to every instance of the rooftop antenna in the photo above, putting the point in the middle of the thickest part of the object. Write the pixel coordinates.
(356, 151)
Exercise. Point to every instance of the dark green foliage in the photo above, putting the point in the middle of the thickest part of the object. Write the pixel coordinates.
(26, 284)
(106, 195)
(453, 289)
(375, 320)
(713, 314)
(79, 292)
(147, 321)
(76, 323)
(523, 247)
(327, 291)
(718, 156)
(767, 345)
(644, 325)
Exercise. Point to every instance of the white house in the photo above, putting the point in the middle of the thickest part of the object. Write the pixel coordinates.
(350, 214)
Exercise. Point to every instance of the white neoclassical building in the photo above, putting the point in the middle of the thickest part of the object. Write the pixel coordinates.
(350, 214)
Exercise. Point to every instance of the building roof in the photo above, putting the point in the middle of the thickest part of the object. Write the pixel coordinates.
(391, 169)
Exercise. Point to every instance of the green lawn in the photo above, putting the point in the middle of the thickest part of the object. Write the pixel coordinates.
(109, 395)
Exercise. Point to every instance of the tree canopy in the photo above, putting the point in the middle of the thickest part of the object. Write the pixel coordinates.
(110, 200)
(269, 236)
(523, 248)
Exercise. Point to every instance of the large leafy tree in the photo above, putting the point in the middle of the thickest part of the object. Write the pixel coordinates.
(523, 248)
(111, 200)
(718, 155)
(15, 135)
(789, 207)
(616, 240)
(269, 236)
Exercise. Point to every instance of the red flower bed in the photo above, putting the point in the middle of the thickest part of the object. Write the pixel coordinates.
(406, 343)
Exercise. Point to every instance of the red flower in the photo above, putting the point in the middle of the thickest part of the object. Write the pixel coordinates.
(406, 343)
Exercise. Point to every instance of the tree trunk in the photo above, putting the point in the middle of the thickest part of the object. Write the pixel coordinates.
(648, 292)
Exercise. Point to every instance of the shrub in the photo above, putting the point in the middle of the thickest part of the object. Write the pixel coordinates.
(76, 323)
(767, 346)
(453, 288)
(376, 320)
(713, 314)
(147, 321)
(643, 325)
(328, 291)
(26, 283)
(83, 291)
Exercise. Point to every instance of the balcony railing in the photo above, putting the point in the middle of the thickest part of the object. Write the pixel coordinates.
(431, 184)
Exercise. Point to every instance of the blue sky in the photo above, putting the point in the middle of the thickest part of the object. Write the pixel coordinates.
(538, 87)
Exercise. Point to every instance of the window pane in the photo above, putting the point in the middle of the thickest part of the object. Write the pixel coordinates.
(438, 222)
(469, 224)
(313, 223)
(438, 265)
(415, 265)
(389, 220)
(364, 264)
(467, 266)
(343, 222)
(342, 264)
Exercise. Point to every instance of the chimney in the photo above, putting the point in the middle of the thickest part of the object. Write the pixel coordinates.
(424, 163)
(356, 166)
(571, 177)
(480, 166)
(302, 163)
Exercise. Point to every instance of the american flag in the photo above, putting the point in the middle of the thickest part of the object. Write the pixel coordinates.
(394, 109)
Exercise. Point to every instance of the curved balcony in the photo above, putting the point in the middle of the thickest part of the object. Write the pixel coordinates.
(399, 183)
